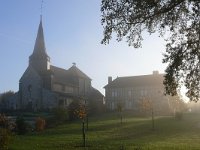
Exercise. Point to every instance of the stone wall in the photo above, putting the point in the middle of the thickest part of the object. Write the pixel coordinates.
(30, 90)
(49, 99)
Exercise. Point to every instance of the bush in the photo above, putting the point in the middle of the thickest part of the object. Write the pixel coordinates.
(59, 115)
(51, 122)
(3, 121)
(5, 127)
(40, 124)
(72, 108)
(21, 126)
(95, 107)
(4, 138)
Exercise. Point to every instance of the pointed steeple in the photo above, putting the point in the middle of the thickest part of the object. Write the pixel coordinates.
(39, 58)
(39, 48)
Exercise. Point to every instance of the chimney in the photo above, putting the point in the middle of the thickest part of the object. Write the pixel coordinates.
(109, 79)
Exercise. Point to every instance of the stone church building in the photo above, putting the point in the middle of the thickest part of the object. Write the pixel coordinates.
(44, 86)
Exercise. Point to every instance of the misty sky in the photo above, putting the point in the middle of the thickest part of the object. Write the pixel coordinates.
(73, 32)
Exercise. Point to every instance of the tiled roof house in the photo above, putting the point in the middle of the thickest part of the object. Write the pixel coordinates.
(131, 90)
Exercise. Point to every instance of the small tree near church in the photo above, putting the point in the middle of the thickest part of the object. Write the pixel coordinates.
(81, 114)
(147, 106)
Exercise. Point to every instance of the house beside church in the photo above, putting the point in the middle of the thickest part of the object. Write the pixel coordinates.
(130, 91)
(44, 86)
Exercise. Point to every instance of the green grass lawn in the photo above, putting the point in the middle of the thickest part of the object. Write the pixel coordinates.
(105, 132)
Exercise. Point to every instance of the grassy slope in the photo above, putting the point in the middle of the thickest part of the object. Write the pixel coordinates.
(105, 132)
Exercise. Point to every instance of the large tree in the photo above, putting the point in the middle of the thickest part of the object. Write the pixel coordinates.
(178, 21)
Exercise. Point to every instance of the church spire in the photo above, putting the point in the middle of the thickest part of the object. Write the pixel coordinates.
(39, 48)
(39, 58)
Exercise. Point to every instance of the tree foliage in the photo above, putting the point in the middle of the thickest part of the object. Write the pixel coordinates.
(73, 106)
(81, 113)
(145, 105)
(177, 21)
(6, 95)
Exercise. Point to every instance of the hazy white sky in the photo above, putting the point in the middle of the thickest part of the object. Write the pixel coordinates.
(73, 33)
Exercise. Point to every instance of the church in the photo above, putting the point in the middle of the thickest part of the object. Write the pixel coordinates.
(44, 86)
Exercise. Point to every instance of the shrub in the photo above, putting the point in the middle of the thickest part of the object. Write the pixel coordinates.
(5, 127)
(60, 114)
(21, 126)
(40, 124)
(72, 108)
(94, 107)
(4, 138)
(3, 121)
(51, 122)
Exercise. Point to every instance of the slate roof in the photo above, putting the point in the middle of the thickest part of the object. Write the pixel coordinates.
(62, 76)
(131, 81)
(74, 71)
(67, 77)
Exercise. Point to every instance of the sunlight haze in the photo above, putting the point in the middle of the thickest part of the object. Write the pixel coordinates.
(73, 33)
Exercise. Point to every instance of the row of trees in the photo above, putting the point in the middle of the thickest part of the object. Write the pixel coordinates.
(173, 105)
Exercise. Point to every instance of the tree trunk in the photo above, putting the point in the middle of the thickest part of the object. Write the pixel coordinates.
(83, 132)
(152, 115)
(87, 121)
(121, 117)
